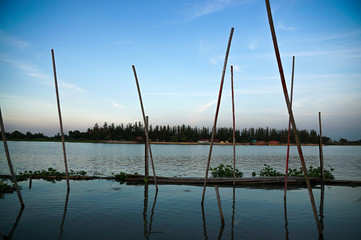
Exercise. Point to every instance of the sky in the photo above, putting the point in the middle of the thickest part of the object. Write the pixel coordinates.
(178, 50)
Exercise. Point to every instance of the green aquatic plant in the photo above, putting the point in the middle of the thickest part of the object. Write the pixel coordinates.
(269, 171)
(312, 172)
(6, 188)
(254, 174)
(120, 177)
(225, 171)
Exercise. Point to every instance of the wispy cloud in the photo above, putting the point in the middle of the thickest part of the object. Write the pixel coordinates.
(27, 68)
(115, 104)
(205, 106)
(336, 36)
(281, 26)
(72, 87)
(212, 61)
(9, 40)
(253, 45)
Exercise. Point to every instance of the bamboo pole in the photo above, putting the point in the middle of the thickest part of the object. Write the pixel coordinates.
(216, 116)
(146, 157)
(146, 129)
(9, 161)
(60, 120)
(234, 131)
(321, 150)
(219, 205)
(289, 127)
(280, 68)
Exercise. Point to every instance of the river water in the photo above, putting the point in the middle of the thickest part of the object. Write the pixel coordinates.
(175, 160)
(103, 209)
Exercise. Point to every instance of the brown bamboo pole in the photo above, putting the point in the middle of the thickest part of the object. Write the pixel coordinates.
(146, 157)
(146, 129)
(234, 131)
(321, 150)
(280, 68)
(9, 161)
(219, 205)
(60, 120)
(216, 116)
(289, 127)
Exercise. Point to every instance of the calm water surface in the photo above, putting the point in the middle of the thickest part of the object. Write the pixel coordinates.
(101, 209)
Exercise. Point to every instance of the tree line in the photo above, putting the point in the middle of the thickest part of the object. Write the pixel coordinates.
(180, 133)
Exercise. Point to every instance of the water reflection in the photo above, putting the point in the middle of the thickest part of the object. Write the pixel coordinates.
(64, 214)
(148, 229)
(14, 226)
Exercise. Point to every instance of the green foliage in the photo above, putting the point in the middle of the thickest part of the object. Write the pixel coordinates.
(312, 172)
(269, 171)
(225, 171)
(120, 177)
(24, 176)
(5, 188)
(254, 174)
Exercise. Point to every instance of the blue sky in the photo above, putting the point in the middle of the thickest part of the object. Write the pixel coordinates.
(178, 50)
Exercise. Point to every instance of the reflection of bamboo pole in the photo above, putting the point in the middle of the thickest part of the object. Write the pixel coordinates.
(322, 200)
(16, 223)
(204, 223)
(286, 222)
(64, 214)
(233, 211)
(60, 119)
(146, 129)
(321, 151)
(219, 204)
(289, 128)
(216, 116)
(234, 131)
(152, 213)
(145, 210)
(291, 116)
(9, 161)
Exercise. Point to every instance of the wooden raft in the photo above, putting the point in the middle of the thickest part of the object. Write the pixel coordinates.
(240, 182)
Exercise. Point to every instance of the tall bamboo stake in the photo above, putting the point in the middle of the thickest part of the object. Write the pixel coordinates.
(280, 68)
(60, 120)
(216, 116)
(289, 127)
(146, 129)
(146, 157)
(321, 151)
(9, 161)
(234, 131)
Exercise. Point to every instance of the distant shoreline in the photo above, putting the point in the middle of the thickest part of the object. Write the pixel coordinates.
(171, 143)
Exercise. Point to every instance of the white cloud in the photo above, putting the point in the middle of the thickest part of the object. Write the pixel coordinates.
(12, 41)
(205, 107)
(281, 26)
(72, 87)
(212, 61)
(26, 68)
(117, 105)
(253, 45)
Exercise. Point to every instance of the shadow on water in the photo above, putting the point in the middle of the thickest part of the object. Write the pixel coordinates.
(64, 214)
(148, 228)
(14, 226)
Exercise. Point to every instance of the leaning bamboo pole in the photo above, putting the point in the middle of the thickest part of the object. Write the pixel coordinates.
(234, 131)
(13, 177)
(146, 129)
(280, 68)
(60, 120)
(321, 150)
(219, 205)
(289, 127)
(216, 116)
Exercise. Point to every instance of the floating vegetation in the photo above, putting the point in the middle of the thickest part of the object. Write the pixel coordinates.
(225, 171)
(312, 172)
(51, 172)
(120, 177)
(6, 188)
(269, 171)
